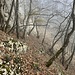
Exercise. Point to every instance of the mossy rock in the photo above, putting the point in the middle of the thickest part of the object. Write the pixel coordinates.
(1, 72)
(17, 60)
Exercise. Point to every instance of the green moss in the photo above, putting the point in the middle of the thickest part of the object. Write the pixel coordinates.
(35, 66)
(1, 72)
(17, 60)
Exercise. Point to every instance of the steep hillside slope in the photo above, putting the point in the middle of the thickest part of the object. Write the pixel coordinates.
(31, 62)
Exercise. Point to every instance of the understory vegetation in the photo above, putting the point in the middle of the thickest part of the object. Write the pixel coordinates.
(37, 37)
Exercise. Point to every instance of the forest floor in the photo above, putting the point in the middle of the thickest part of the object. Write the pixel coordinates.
(34, 60)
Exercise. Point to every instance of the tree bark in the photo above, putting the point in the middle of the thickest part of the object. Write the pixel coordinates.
(16, 18)
(7, 22)
(66, 41)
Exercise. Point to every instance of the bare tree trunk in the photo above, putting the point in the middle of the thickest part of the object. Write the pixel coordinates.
(61, 32)
(1, 16)
(29, 13)
(66, 33)
(12, 29)
(68, 61)
(70, 58)
(46, 28)
(32, 28)
(16, 18)
(7, 22)
(37, 32)
(14, 25)
(66, 40)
